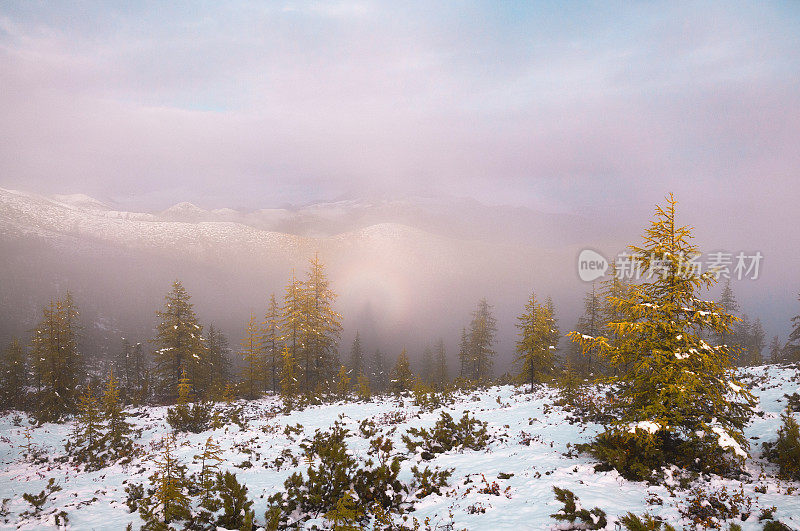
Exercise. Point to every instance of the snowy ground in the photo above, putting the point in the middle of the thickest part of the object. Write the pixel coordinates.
(96, 500)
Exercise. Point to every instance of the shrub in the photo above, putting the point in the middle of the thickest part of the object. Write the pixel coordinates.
(448, 435)
(631, 522)
(586, 519)
(711, 509)
(194, 418)
(785, 452)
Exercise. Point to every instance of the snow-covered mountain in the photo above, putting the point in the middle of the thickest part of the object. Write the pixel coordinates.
(398, 266)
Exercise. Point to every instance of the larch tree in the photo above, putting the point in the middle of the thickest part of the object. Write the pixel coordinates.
(289, 383)
(463, 355)
(590, 323)
(57, 363)
(251, 353)
(676, 392)
(292, 325)
(13, 376)
(321, 333)
(271, 345)
(426, 365)
(775, 350)
(170, 496)
(179, 344)
(535, 349)
(480, 338)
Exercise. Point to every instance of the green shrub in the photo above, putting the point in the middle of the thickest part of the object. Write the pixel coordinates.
(194, 418)
(447, 435)
(586, 519)
(631, 522)
(785, 452)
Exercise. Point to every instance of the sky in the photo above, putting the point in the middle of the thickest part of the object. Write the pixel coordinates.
(583, 106)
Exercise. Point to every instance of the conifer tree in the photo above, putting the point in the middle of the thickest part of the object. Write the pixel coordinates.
(426, 365)
(57, 364)
(293, 325)
(123, 366)
(184, 389)
(356, 364)
(591, 324)
(793, 344)
(402, 378)
(210, 460)
(139, 375)
(480, 339)
(611, 289)
(342, 382)
(321, 333)
(775, 350)
(218, 360)
(86, 444)
(172, 501)
(534, 350)
(380, 374)
(271, 345)
(463, 355)
(251, 352)
(362, 387)
(440, 377)
(676, 388)
(13, 376)
(180, 344)
(118, 430)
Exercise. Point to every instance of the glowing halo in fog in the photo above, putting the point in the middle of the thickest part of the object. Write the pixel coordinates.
(384, 291)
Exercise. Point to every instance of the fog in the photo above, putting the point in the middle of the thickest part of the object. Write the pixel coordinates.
(487, 143)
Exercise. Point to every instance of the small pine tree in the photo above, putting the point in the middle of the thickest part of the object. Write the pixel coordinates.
(440, 377)
(356, 364)
(535, 352)
(13, 376)
(775, 350)
(402, 378)
(271, 345)
(210, 460)
(289, 387)
(480, 341)
(346, 515)
(677, 392)
(342, 382)
(362, 387)
(793, 344)
(87, 438)
(380, 374)
(117, 437)
(171, 500)
(251, 352)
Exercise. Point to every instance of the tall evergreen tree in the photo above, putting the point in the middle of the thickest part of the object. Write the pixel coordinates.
(13, 377)
(613, 288)
(535, 349)
(775, 350)
(180, 344)
(440, 377)
(676, 389)
(323, 326)
(271, 345)
(356, 357)
(251, 352)
(289, 383)
(57, 364)
(480, 339)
